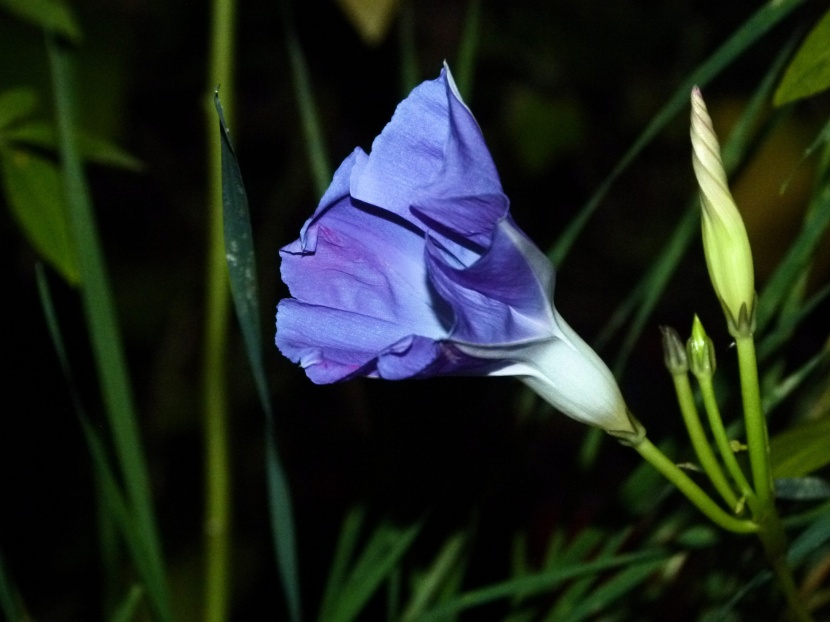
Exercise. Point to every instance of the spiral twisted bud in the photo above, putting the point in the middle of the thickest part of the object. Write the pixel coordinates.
(725, 242)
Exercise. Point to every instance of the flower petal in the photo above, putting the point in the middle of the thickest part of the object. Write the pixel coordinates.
(365, 262)
(332, 344)
(503, 297)
(432, 147)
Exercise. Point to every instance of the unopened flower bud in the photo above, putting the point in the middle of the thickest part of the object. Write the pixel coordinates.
(701, 351)
(725, 241)
(674, 354)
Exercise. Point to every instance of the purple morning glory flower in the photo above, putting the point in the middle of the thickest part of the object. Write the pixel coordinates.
(412, 267)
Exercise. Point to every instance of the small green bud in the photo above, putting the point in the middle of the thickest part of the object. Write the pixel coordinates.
(674, 354)
(725, 242)
(701, 351)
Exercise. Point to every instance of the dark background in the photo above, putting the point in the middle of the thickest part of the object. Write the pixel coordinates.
(561, 90)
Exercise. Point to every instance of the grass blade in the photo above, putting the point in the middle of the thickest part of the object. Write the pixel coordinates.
(538, 583)
(317, 158)
(378, 560)
(616, 587)
(465, 63)
(346, 545)
(239, 248)
(103, 329)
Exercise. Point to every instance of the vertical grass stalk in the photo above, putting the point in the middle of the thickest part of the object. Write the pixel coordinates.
(217, 307)
(105, 336)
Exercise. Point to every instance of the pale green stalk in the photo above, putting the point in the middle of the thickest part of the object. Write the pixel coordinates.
(771, 532)
(693, 492)
(722, 440)
(703, 450)
(217, 304)
(756, 427)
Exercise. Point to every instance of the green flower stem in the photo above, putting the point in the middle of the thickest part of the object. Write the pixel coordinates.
(771, 531)
(215, 408)
(707, 391)
(774, 541)
(756, 426)
(701, 445)
(692, 491)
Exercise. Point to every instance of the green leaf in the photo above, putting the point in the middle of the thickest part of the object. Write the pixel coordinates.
(801, 450)
(809, 71)
(91, 148)
(312, 132)
(16, 104)
(802, 488)
(35, 195)
(50, 15)
(239, 251)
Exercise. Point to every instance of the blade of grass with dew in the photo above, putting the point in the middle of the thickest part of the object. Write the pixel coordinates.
(107, 347)
(538, 583)
(241, 262)
(747, 34)
(346, 545)
(317, 158)
(378, 559)
(111, 496)
(10, 604)
(215, 429)
(465, 62)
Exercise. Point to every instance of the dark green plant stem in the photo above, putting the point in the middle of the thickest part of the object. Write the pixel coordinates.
(217, 519)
